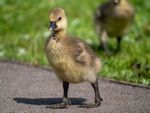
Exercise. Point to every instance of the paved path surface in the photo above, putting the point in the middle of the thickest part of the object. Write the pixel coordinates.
(29, 89)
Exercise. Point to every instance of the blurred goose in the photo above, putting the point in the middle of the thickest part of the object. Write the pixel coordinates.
(113, 18)
(72, 59)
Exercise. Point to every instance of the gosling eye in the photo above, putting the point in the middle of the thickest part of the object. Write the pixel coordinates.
(59, 18)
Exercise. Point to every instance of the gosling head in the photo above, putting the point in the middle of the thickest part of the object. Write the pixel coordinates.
(58, 21)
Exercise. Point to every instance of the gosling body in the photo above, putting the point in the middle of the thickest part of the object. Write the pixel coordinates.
(72, 59)
(113, 19)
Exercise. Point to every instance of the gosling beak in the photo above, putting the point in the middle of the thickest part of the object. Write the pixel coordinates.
(52, 25)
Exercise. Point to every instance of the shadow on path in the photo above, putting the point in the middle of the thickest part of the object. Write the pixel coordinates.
(48, 101)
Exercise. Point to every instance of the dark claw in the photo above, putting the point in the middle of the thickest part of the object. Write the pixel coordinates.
(63, 105)
(91, 105)
(66, 101)
(101, 99)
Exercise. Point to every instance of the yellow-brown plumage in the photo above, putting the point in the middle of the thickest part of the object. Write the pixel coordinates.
(72, 59)
(113, 18)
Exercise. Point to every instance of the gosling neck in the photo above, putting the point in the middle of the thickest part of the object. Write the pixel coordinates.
(61, 33)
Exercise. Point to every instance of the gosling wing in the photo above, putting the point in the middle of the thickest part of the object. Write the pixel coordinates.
(81, 52)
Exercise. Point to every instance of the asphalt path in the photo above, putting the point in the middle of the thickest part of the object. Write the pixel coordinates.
(30, 89)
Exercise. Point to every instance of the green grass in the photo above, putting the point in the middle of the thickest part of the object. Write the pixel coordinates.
(24, 28)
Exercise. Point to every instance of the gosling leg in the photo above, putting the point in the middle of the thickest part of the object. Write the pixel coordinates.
(66, 101)
(98, 98)
(65, 97)
(103, 43)
(119, 38)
